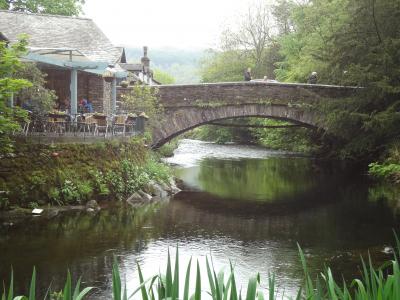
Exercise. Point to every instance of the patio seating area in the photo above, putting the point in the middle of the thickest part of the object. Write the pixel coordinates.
(59, 123)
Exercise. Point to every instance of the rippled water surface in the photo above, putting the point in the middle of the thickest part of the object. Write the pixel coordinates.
(240, 203)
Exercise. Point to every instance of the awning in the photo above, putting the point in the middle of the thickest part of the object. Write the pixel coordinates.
(71, 59)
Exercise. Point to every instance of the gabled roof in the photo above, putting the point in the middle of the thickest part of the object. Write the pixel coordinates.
(132, 67)
(51, 31)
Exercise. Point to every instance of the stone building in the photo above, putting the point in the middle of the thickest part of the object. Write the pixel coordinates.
(74, 53)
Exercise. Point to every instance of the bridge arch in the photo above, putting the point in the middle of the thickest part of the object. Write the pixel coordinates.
(179, 120)
(187, 106)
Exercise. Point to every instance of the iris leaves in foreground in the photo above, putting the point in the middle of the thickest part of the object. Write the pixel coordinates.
(382, 283)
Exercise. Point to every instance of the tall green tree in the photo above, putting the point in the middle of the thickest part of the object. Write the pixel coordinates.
(59, 7)
(224, 66)
(163, 77)
(10, 84)
(353, 43)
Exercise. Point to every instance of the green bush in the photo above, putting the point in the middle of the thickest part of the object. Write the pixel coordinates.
(4, 202)
(99, 183)
(85, 190)
(54, 195)
(70, 192)
(390, 168)
(385, 171)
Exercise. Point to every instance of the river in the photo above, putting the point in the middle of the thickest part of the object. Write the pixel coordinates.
(243, 204)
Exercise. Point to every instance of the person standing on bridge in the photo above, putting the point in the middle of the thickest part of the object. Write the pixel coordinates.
(247, 74)
(313, 78)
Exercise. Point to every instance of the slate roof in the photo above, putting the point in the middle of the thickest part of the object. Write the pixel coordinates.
(51, 31)
(132, 67)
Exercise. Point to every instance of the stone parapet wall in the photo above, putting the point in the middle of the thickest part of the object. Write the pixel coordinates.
(249, 92)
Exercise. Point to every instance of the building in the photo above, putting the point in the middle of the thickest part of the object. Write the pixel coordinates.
(79, 59)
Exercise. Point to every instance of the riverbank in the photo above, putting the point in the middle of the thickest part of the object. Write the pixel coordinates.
(73, 174)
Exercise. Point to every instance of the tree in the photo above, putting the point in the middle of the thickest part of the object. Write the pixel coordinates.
(37, 98)
(59, 7)
(225, 66)
(144, 98)
(10, 118)
(163, 77)
(282, 12)
(353, 43)
(253, 35)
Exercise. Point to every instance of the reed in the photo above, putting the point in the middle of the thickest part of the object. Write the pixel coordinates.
(381, 283)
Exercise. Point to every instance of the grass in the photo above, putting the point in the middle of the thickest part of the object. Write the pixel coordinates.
(382, 283)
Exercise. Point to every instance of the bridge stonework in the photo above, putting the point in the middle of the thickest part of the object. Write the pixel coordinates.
(189, 106)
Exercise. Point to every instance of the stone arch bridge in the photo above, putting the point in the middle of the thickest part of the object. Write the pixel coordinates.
(192, 105)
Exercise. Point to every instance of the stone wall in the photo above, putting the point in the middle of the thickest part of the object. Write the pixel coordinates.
(249, 92)
(96, 92)
(178, 120)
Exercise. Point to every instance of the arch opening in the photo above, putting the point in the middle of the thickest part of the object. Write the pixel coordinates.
(158, 143)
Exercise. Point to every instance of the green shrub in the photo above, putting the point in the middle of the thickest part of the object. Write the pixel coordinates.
(54, 196)
(4, 202)
(115, 183)
(157, 171)
(99, 182)
(85, 190)
(70, 192)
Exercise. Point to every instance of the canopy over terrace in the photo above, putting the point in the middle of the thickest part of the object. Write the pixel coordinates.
(74, 61)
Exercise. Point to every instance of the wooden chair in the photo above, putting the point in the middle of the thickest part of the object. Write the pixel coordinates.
(120, 123)
(101, 123)
(130, 123)
(56, 122)
(86, 122)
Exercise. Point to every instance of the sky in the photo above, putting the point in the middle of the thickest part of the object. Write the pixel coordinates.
(188, 24)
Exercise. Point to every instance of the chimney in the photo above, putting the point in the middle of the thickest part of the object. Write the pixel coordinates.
(145, 61)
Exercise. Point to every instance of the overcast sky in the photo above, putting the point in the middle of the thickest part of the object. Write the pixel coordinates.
(164, 23)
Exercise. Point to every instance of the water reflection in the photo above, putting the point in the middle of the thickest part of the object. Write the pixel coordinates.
(81, 242)
(267, 180)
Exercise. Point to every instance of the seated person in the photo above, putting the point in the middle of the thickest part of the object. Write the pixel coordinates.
(89, 106)
(85, 105)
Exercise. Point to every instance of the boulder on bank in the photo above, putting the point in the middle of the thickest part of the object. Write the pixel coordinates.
(162, 189)
(145, 197)
(173, 188)
(92, 206)
(155, 189)
(135, 197)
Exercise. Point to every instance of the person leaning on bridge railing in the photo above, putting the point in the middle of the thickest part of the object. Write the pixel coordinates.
(313, 78)
(247, 74)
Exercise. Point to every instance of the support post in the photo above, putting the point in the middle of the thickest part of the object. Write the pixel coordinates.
(114, 96)
(74, 92)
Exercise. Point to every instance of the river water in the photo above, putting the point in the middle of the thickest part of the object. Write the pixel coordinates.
(242, 204)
